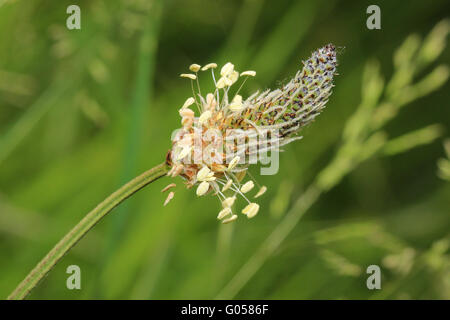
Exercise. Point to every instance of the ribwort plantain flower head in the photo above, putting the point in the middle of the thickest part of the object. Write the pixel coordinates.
(213, 150)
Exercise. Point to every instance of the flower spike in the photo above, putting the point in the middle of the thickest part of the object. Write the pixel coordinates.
(213, 150)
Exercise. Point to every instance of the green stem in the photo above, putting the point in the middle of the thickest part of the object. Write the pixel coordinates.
(89, 221)
(268, 247)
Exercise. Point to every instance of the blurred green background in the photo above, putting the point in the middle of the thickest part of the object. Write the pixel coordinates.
(83, 111)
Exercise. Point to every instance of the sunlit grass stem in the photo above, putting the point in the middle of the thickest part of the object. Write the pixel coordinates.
(363, 137)
(89, 221)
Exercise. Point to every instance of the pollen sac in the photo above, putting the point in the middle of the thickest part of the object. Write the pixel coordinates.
(202, 188)
(189, 101)
(228, 202)
(214, 148)
(261, 191)
(247, 187)
(223, 213)
(188, 75)
(169, 197)
(230, 219)
(194, 67)
(236, 104)
(227, 69)
(251, 210)
(227, 185)
(209, 66)
(249, 73)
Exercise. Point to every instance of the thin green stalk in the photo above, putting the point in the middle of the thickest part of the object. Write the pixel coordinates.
(24, 125)
(272, 243)
(224, 238)
(89, 221)
(143, 92)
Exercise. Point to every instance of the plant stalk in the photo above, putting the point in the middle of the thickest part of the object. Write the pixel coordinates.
(89, 221)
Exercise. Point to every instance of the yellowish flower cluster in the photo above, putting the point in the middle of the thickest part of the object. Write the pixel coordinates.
(224, 116)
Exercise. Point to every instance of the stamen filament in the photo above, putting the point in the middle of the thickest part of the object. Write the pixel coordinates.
(195, 97)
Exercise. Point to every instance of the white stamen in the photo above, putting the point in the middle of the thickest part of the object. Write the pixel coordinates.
(227, 185)
(233, 163)
(235, 107)
(247, 186)
(189, 101)
(202, 188)
(261, 191)
(234, 76)
(203, 173)
(188, 75)
(186, 112)
(237, 98)
(227, 69)
(194, 67)
(228, 202)
(251, 210)
(222, 82)
(170, 186)
(204, 117)
(250, 73)
(230, 219)
(223, 213)
(169, 197)
(209, 66)
(210, 177)
(184, 152)
(210, 102)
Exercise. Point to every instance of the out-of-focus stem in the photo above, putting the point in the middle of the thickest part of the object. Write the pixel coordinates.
(89, 221)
